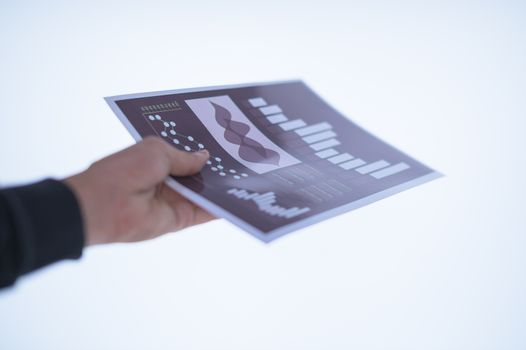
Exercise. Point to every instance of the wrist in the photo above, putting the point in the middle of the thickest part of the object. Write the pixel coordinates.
(84, 195)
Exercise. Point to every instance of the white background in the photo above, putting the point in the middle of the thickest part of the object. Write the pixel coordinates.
(441, 266)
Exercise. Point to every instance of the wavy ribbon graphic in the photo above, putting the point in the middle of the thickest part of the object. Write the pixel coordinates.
(235, 132)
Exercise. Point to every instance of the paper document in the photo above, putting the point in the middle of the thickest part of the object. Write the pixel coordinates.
(281, 158)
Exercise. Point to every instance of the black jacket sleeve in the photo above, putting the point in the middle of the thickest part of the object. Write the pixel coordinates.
(40, 224)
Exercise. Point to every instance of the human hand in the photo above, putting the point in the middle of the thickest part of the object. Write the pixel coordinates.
(123, 197)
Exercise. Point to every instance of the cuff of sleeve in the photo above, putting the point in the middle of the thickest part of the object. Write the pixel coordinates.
(53, 227)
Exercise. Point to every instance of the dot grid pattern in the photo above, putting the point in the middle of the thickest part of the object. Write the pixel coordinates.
(190, 144)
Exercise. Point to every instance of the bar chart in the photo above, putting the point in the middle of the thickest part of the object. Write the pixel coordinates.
(266, 202)
(322, 139)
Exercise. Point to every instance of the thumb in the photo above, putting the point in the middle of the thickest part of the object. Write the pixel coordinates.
(152, 159)
(171, 160)
(186, 163)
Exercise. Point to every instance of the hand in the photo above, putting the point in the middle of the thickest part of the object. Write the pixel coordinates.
(123, 197)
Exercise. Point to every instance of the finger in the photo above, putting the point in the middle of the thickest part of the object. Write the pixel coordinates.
(187, 212)
(191, 214)
(175, 162)
(202, 216)
(186, 163)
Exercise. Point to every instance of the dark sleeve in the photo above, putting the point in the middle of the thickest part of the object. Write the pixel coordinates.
(40, 224)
